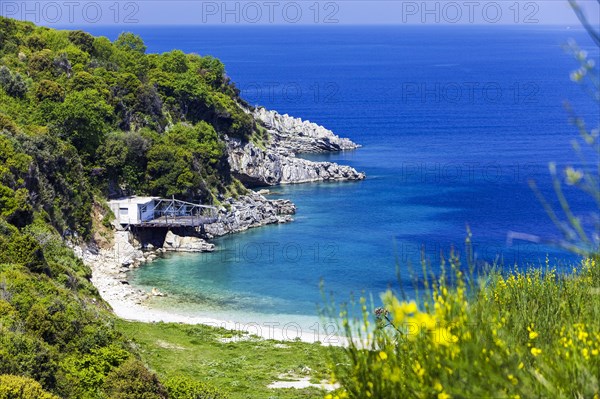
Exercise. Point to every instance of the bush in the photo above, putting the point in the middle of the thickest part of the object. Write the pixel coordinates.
(7, 124)
(525, 335)
(87, 373)
(23, 249)
(25, 355)
(49, 90)
(83, 40)
(132, 380)
(41, 61)
(16, 387)
(186, 388)
(12, 83)
(84, 118)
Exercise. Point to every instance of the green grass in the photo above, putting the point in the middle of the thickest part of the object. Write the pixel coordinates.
(242, 368)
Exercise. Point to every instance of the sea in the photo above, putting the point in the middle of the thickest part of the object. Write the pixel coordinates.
(455, 122)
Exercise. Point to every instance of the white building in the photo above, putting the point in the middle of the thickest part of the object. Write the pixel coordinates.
(134, 210)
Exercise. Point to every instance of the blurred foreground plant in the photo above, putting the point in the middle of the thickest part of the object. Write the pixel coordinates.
(581, 233)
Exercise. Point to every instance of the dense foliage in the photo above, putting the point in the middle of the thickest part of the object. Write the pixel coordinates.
(81, 115)
(82, 118)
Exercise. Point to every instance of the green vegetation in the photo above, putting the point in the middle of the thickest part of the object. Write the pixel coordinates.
(54, 328)
(82, 118)
(522, 335)
(22, 387)
(237, 364)
(110, 117)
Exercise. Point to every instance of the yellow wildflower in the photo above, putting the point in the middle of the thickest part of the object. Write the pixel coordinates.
(532, 333)
(418, 369)
(586, 353)
(443, 395)
(535, 351)
(383, 355)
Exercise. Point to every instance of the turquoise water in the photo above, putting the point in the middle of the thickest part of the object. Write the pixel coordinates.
(454, 122)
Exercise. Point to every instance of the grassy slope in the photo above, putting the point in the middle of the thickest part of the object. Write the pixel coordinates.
(243, 368)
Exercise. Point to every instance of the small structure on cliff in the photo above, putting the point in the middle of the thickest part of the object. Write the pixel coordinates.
(161, 212)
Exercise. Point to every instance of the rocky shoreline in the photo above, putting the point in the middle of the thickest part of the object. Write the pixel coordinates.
(254, 166)
(277, 162)
(298, 136)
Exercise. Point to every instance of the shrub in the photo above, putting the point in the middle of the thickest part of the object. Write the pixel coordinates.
(16, 387)
(41, 61)
(12, 83)
(186, 388)
(7, 124)
(523, 335)
(24, 250)
(87, 373)
(132, 380)
(84, 118)
(49, 90)
(83, 40)
(25, 355)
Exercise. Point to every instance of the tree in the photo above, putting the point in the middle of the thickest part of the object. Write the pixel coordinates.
(130, 42)
(83, 40)
(83, 118)
(175, 62)
(183, 158)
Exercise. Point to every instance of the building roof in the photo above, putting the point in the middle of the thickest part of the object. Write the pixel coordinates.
(133, 200)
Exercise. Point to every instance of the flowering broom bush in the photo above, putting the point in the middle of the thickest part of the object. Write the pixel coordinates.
(518, 335)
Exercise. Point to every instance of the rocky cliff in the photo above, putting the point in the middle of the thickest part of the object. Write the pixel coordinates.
(298, 136)
(277, 162)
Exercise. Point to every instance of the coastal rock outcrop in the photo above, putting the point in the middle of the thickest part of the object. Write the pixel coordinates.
(254, 167)
(251, 210)
(276, 162)
(174, 242)
(298, 136)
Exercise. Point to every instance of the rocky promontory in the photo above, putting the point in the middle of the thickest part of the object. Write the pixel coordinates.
(298, 136)
(276, 162)
(256, 167)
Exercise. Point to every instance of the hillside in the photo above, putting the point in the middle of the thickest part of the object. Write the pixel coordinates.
(83, 119)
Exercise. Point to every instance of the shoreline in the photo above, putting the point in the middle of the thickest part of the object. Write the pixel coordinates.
(109, 276)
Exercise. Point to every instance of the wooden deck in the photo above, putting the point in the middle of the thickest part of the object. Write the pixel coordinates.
(179, 221)
(177, 213)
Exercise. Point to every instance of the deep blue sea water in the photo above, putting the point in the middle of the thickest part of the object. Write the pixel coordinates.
(454, 121)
